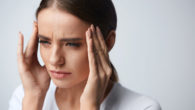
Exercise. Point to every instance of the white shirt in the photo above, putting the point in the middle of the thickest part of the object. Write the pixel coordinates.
(119, 98)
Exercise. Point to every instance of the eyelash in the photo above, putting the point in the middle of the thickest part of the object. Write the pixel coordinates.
(68, 43)
(73, 44)
(43, 42)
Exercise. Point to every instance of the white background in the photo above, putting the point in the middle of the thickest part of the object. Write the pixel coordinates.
(154, 50)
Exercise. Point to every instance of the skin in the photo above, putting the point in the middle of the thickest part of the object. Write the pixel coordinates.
(89, 63)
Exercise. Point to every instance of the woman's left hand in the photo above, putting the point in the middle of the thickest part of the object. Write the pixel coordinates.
(99, 70)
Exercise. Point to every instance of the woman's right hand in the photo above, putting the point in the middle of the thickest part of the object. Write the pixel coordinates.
(35, 78)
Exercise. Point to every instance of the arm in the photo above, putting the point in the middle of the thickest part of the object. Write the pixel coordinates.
(33, 101)
(99, 70)
(35, 78)
(18, 101)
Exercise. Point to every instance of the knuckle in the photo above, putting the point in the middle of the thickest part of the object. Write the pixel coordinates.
(109, 71)
(95, 77)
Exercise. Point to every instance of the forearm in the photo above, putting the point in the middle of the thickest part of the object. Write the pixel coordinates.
(33, 102)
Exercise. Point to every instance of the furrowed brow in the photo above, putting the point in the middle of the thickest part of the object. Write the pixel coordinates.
(63, 39)
(43, 37)
(71, 39)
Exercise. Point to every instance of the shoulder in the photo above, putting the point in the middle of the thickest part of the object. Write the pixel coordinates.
(121, 98)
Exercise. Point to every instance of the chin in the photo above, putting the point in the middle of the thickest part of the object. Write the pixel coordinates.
(67, 84)
(62, 83)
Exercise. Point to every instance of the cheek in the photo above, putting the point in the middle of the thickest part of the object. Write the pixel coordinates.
(44, 54)
(80, 62)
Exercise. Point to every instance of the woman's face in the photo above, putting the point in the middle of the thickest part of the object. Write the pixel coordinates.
(63, 46)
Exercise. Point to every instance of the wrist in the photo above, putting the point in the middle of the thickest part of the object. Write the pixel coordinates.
(33, 101)
(35, 93)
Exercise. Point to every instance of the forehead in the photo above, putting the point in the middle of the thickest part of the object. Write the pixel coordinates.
(55, 23)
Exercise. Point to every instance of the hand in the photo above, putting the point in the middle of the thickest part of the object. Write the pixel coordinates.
(99, 69)
(35, 78)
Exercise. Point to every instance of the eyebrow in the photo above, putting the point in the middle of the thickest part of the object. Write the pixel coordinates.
(63, 39)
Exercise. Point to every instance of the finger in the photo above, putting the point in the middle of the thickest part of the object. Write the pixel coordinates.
(103, 53)
(95, 40)
(103, 44)
(97, 48)
(91, 56)
(95, 68)
(105, 62)
(20, 47)
(102, 41)
(32, 46)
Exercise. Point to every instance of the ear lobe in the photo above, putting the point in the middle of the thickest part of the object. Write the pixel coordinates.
(110, 40)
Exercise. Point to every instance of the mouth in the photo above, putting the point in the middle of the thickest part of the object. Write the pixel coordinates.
(59, 74)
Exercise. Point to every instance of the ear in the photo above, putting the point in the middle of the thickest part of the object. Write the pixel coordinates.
(110, 40)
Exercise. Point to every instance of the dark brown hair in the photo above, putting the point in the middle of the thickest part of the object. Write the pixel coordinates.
(98, 12)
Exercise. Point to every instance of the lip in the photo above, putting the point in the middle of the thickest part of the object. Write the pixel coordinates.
(60, 74)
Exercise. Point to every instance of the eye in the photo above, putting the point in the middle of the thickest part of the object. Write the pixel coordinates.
(43, 42)
(73, 44)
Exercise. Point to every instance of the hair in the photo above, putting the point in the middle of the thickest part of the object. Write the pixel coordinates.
(98, 12)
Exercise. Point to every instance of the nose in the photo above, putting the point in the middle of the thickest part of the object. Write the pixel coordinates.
(56, 57)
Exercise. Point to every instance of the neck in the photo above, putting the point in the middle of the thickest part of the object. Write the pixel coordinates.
(71, 96)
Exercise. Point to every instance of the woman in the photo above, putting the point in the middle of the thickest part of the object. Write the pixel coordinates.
(75, 37)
